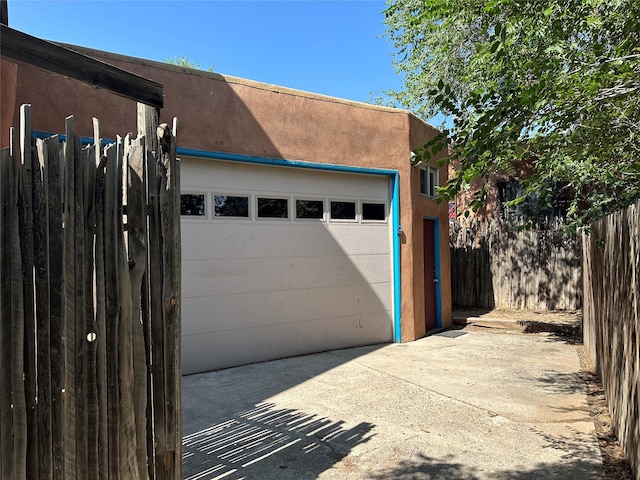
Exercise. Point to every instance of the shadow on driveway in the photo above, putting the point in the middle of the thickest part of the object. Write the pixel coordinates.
(460, 404)
(231, 432)
(239, 444)
(425, 468)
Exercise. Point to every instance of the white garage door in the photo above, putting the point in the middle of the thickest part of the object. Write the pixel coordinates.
(280, 261)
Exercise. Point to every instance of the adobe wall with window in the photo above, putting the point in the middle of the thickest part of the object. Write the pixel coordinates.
(241, 117)
(504, 187)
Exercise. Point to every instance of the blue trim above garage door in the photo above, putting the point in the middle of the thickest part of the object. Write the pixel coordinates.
(395, 205)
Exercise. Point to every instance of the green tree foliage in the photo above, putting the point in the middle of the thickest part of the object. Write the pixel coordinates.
(556, 82)
(186, 62)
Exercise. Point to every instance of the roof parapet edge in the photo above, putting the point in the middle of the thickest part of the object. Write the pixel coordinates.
(241, 81)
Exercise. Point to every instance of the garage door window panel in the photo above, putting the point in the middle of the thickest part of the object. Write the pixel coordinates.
(343, 210)
(309, 209)
(193, 205)
(374, 212)
(273, 208)
(231, 206)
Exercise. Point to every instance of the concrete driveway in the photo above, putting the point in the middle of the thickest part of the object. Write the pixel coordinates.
(456, 405)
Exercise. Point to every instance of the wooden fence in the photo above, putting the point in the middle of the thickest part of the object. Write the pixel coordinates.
(496, 265)
(611, 259)
(89, 307)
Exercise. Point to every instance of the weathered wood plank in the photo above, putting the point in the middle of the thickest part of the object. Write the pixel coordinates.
(89, 333)
(169, 199)
(147, 121)
(145, 306)
(17, 328)
(80, 344)
(177, 286)
(100, 309)
(4, 12)
(25, 211)
(516, 271)
(69, 295)
(137, 249)
(154, 172)
(48, 56)
(634, 217)
(128, 450)
(40, 182)
(55, 160)
(6, 357)
(112, 215)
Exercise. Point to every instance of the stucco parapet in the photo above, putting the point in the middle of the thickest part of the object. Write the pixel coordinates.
(101, 54)
(413, 116)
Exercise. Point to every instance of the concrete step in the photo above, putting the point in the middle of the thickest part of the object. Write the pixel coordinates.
(525, 321)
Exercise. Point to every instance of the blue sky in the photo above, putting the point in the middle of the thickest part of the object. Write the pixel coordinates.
(328, 47)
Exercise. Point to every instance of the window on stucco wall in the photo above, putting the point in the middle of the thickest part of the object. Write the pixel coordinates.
(428, 181)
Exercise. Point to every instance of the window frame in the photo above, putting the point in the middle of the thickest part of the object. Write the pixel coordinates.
(217, 218)
(206, 205)
(342, 220)
(427, 172)
(323, 218)
(377, 202)
(258, 196)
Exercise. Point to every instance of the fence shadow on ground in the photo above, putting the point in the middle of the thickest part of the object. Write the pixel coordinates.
(423, 467)
(553, 382)
(233, 428)
(295, 441)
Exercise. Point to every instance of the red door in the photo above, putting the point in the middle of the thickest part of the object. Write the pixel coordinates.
(430, 275)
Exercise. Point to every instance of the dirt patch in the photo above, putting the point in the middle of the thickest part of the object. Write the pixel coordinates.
(615, 465)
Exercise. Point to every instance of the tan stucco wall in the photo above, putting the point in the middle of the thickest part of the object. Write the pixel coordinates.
(425, 207)
(228, 114)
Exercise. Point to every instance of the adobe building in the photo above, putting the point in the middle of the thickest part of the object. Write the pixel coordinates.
(305, 227)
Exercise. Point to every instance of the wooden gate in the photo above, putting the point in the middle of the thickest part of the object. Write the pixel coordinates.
(90, 306)
(496, 264)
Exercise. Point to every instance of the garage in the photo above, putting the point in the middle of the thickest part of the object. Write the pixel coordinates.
(281, 260)
(260, 280)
